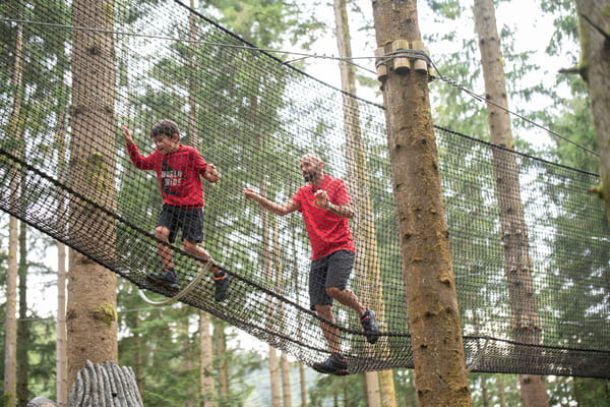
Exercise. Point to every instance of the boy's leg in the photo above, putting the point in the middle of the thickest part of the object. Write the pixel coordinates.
(165, 253)
(331, 332)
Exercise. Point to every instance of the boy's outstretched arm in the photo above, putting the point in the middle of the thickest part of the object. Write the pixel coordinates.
(272, 207)
(143, 163)
(211, 174)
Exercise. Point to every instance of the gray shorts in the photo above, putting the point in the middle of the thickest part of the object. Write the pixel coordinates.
(330, 271)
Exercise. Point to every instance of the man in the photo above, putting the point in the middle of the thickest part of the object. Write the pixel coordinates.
(326, 208)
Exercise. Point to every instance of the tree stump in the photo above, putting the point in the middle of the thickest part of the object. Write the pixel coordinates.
(105, 384)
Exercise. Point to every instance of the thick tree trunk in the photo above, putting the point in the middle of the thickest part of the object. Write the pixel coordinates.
(367, 267)
(23, 329)
(105, 384)
(594, 25)
(10, 327)
(91, 316)
(274, 373)
(206, 367)
(517, 262)
(371, 384)
(286, 393)
(434, 322)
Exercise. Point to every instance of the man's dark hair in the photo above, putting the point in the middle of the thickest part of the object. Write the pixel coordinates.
(165, 127)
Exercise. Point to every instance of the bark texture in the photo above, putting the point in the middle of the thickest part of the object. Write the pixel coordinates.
(91, 314)
(436, 339)
(206, 364)
(525, 323)
(594, 25)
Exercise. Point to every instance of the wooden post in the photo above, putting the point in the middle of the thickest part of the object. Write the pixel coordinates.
(436, 339)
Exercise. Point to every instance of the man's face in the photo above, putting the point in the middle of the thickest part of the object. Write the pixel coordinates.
(310, 168)
(165, 144)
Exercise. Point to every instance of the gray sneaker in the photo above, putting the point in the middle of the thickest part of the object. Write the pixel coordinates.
(167, 278)
(369, 324)
(335, 364)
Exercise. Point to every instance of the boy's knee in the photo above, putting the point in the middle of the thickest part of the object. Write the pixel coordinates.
(162, 233)
(333, 292)
(323, 310)
(189, 247)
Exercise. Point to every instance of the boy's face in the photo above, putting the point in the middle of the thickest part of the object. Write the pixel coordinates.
(165, 144)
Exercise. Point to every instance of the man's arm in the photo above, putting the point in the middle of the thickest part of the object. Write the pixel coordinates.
(322, 201)
(272, 207)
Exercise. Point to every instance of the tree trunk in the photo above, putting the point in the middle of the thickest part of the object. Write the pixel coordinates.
(206, 366)
(517, 262)
(221, 351)
(23, 330)
(371, 384)
(285, 367)
(501, 391)
(594, 25)
(484, 393)
(105, 384)
(91, 316)
(303, 385)
(274, 372)
(61, 362)
(10, 327)
(367, 268)
(434, 322)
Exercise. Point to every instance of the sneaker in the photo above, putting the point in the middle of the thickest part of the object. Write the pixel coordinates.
(167, 278)
(371, 330)
(335, 364)
(221, 286)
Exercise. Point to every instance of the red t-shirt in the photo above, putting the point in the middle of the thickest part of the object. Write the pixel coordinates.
(327, 231)
(178, 174)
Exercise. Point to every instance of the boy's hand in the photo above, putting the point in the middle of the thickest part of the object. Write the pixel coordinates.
(126, 134)
(250, 194)
(211, 174)
(321, 199)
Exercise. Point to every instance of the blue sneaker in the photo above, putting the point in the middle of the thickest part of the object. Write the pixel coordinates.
(222, 281)
(371, 330)
(167, 278)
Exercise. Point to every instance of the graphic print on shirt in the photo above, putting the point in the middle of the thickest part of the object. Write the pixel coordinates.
(171, 178)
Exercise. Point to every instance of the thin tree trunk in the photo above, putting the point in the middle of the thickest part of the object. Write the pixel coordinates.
(484, 393)
(285, 368)
(91, 315)
(501, 390)
(303, 385)
(206, 366)
(434, 322)
(594, 28)
(368, 267)
(60, 346)
(23, 329)
(371, 385)
(221, 351)
(274, 372)
(10, 327)
(61, 361)
(517, 262)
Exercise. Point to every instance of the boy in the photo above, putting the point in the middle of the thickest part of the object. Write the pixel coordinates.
(178, 169)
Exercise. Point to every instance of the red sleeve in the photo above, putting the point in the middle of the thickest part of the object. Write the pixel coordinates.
(143, 163)
(199, 163)
(341, 196)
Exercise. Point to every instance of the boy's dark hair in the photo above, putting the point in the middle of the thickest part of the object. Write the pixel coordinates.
(166, 128)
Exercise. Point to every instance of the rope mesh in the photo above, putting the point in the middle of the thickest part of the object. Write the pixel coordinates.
(253, 118)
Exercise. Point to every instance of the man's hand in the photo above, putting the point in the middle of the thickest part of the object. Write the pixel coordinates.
(211, 174)
(127, 134)
(321, 199)
(250, 194)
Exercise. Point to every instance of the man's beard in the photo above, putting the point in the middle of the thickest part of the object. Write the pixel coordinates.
(309, 176)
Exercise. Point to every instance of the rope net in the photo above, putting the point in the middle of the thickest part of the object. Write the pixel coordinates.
(65, 171)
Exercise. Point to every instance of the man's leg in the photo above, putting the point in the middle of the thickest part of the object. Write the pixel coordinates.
(331, 332)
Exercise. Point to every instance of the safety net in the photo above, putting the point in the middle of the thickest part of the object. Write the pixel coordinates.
(69, 80)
